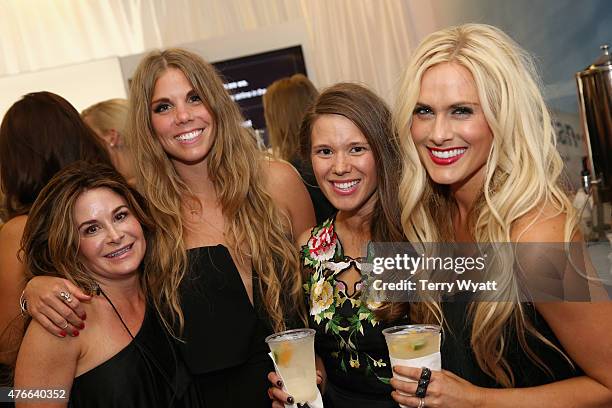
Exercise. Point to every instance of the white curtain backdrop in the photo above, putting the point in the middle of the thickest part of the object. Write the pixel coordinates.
(367, 41)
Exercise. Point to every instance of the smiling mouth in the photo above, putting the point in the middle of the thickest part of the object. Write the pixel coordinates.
(345, 186)
(446, 156)
(189, 136)
(119, 252)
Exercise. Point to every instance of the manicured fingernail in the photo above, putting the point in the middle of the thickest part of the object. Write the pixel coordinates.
(82, 326)
(62, 334)
(279, 383)
(84, 316)
(290, 400)
(75, 333)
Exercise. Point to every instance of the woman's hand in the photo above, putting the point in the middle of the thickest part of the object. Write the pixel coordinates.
(277, 395)
(445, 390)
(58, 315)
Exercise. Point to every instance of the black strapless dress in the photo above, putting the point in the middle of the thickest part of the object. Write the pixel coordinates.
(458, 357)
(224, 333)
(146, 373)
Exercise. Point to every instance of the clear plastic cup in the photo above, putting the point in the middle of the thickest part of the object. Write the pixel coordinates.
(293, 352)
(414, 345)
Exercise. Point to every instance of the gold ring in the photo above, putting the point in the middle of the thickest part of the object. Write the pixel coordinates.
(65, 325)
(421, 403)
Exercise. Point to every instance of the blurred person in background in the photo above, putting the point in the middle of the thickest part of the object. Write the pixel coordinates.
(285, 103)
(108, 119)
(40, 134)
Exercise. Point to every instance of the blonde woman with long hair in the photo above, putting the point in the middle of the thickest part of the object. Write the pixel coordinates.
(479, 149)
(233, 213)
(108, 119)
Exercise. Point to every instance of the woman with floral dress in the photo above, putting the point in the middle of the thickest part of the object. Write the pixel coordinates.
(356, 161)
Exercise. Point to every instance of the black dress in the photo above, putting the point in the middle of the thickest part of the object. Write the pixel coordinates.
(322, 207)
(145, 373)
(224, 334)
(458, 356)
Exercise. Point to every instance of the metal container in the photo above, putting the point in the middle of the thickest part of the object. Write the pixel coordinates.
(595, 100)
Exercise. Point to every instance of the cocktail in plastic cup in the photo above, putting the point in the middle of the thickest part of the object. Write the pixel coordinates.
(293, 352)
(414, 345)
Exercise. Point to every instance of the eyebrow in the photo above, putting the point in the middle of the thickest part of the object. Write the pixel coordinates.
(349, 144)
(88, 222)
(454, 105)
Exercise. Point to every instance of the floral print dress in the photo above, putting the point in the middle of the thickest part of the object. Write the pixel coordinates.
(349, 337)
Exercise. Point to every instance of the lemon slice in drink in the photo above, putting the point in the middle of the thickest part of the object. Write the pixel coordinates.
(417, 344)
(283, 354)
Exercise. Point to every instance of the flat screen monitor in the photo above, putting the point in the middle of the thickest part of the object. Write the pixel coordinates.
(246, 78)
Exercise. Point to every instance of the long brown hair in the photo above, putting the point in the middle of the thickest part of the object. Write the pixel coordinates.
(373, 118)
(255, 228)
(50, 242)
(285, 103)
(40, 134)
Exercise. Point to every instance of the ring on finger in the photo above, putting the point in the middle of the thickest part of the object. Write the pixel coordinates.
(421, 403)
(65, 325)
(65, 296)
(423, 383)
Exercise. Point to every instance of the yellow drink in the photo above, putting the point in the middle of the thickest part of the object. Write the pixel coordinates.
(413, 342)
(293, 352)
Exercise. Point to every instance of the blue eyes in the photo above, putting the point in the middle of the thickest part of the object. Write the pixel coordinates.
(463, 110)
(422, 110)
(455, 111)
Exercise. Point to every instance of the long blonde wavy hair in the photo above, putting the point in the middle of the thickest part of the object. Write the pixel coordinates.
(255, 228)
(521, 174)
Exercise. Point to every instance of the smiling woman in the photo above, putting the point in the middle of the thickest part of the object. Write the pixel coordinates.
(349, 137)
(88, 226)
(232, 275)
(449, 128)
(479, 150)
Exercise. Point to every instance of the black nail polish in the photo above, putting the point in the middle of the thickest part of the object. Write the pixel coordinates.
(290, 400)
(279, 383)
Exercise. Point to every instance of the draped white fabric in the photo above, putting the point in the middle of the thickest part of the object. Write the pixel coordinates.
(358, 40)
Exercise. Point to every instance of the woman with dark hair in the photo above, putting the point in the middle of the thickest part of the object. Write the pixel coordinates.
(90, 227)
(285, 102)
(40, 134)
(349, 137)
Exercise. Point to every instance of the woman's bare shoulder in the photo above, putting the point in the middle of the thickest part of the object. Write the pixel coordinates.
(544, 224)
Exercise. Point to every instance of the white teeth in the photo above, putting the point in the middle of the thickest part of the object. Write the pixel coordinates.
(447, 154)
(119, 252)
(188, 136)
(346, 185)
